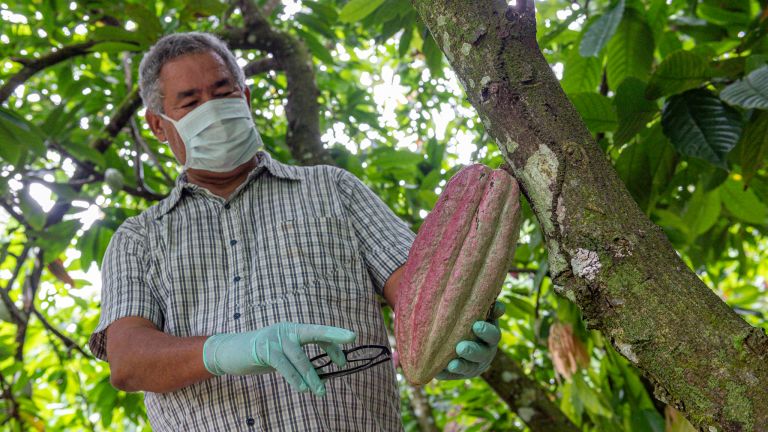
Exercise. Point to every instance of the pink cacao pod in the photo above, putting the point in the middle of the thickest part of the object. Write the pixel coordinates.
(455, 268)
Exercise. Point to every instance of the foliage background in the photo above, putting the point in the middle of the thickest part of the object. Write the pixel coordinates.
(676, 93)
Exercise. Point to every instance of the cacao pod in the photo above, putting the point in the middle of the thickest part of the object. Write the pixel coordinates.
(455, 268)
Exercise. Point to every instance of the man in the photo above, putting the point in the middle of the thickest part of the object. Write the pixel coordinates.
(210, 296)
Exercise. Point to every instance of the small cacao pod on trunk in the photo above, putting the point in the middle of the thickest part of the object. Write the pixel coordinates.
(455, 268)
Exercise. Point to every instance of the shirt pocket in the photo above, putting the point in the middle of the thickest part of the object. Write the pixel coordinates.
(322, 252)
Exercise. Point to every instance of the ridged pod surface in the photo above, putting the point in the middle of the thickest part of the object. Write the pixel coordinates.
(455, 268)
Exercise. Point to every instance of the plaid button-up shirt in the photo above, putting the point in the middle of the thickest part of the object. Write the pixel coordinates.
(293, 244)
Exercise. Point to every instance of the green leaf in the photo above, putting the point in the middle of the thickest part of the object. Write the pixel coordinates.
(596, 110)
(318, 49)
(724, 16)
(581, 74)
(702, 211)
(753, 147)
(433, 55)
(31, 211)
(634, 111)
(57, 238)
(680, 71)
(699, 125)
(630, 51)
(600, 32)
(85, 153)
(743, 204)
(750, 92)
(313, 23)
(117, 34)
(395, 158)
(634, 169)
(356, 10)
(93, 243)
(18, 135)
(590, 397)
(405, 41)
(147, 21)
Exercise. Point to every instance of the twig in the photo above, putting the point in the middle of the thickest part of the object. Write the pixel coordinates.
(33, 66)
(69, 343)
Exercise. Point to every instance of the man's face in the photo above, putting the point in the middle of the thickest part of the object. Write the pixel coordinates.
(186, 83)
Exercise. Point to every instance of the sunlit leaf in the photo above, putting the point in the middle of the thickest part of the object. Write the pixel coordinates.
(680, 71)
(356, 10)
(630, 51)
(600, 32)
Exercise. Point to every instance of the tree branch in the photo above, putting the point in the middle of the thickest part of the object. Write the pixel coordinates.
(260, 66)
(525, 396)
(302, 109)
(33, 66)
(422, 410)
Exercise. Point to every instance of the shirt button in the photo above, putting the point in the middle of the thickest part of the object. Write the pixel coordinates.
(236, 315)
(237, 279)
(227, 206)
(232, 242)
(250, 421)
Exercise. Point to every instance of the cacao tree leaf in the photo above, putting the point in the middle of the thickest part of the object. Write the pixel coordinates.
(630, 51)
(743, 204)
(600, 32)
(356, 10)
(749, 92)
(316, 47)
(146, 20)
(581, 74)
(19, 135)
(591, 399)
(702, 212)
(699, 125)
(753, 146)
(680, 71)
(634, 111)
(434, 56)
(31, 211)
(634, 169)
(117, 34)
(57, 238)
(724, 13)
(596, 110)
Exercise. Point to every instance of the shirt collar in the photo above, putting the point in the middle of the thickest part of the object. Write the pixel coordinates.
(265, 161)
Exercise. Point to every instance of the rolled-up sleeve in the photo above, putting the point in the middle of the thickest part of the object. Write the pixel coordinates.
(126, 291)
(384, 239)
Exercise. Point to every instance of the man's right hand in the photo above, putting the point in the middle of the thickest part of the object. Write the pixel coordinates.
(276, 347)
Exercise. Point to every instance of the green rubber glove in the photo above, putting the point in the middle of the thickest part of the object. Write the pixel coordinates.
(276, 347)
(474, 357)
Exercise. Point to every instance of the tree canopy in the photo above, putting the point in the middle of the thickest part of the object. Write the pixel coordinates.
(674, 92)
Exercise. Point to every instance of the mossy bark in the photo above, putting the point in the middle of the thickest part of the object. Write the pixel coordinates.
(604, 253)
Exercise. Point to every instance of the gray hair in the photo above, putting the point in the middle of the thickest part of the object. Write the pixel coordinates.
(176, 45)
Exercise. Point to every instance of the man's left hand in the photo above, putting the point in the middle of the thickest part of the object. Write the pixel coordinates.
(474, 357)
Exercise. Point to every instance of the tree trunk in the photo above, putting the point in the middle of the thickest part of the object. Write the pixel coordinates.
(604, 253)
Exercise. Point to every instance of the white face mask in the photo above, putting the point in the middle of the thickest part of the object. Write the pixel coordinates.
(219, 135)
